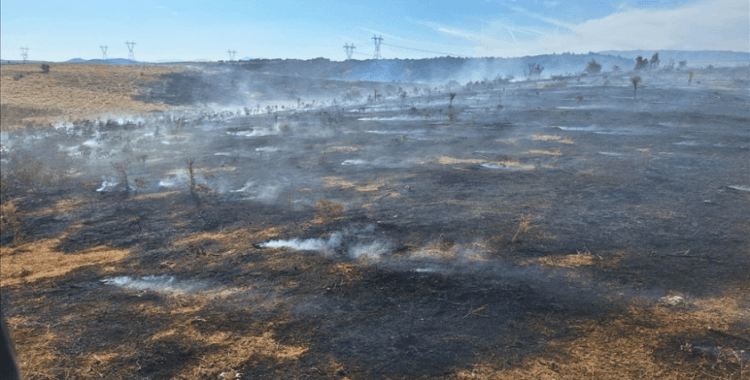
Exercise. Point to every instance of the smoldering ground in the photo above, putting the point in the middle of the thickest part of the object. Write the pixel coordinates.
(402, 235)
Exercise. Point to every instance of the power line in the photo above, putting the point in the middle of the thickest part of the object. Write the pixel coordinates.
(424, 51)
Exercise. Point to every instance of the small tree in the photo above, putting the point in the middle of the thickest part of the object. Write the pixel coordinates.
(690, 77)
(45, 68)
(635, 81)
(140, 183)
(452, 96)
(593, 67)
(142, 158)
(682, 64)
(191, 173)
(122, 169)
(654, 61)
(640, 63)
(616, 69)
(534, 70)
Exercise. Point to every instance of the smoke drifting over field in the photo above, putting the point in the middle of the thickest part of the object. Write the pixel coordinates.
(342, 225)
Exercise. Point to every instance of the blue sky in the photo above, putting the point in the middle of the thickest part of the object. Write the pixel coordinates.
(187, 30)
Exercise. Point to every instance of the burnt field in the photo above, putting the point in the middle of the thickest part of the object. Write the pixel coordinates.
(269, 227)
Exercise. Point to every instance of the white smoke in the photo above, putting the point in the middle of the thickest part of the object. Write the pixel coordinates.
(315, 244)
(161, 283)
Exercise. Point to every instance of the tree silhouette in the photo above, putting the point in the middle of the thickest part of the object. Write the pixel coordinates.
(654, 61)
(635, 81)
(593, 67)
(640, 63)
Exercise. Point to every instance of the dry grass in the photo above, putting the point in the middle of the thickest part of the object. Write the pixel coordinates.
(445, 160)
(328, 211)
(61, 207)
(73, 91)
(579, 259)
(150, 196)
(333, 181)
(36, 356)
(555, 138)
(230, 351)
(343, 149)
(39, 260)
(539, 152)
(636, 344)
(524, 225)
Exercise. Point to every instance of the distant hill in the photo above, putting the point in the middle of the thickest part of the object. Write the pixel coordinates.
(693, 58)
(438, 70)
(444, 69)
(111, 61)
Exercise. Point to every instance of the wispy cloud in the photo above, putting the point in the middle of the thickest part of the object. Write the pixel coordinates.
(539, 17)
(710, 25)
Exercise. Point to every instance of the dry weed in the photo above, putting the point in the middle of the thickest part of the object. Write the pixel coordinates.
(524, 225)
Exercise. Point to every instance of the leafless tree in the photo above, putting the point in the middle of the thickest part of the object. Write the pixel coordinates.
(122, 169)
(635, 81)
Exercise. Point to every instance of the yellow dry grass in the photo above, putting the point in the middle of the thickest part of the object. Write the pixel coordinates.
(164, 194)
(37, 352)
(540, 152)
(344, 149)
(383, 182)
(40, 259)
(445, 160)
(579, 259)
(328, 211)
(524, 226)
(555, 138)
(62, 206)
(229, 351)
(77, 91)
(333, 181)
(636, 344)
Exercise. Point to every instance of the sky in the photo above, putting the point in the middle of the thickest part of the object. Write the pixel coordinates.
(58, 30)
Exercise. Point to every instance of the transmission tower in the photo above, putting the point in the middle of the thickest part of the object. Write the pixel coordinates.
(131, 45)
(104, 52)
(231, 54)
(349, 50)
(378, 41)
(25, 53)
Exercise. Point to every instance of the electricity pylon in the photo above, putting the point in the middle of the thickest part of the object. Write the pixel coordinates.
(104, 52)
(349, 50)
(131, 45)
(231, 54)
(25, 53)
(378, 41)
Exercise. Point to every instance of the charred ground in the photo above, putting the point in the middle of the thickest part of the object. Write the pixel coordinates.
(540, 229)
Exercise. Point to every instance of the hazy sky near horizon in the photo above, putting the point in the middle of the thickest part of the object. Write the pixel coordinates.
(57, 30)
